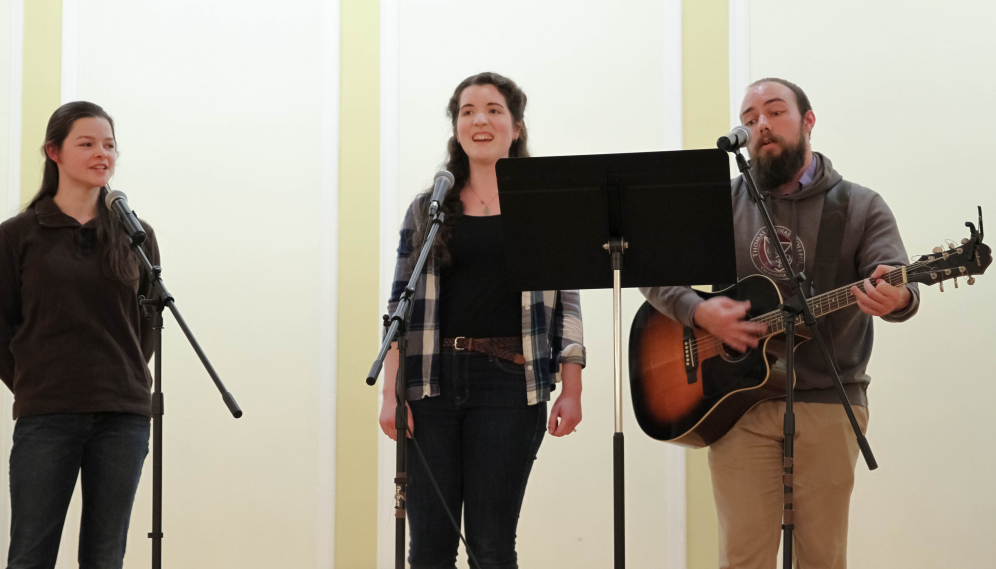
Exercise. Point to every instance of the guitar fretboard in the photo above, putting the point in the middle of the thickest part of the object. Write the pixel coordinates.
(829, 301)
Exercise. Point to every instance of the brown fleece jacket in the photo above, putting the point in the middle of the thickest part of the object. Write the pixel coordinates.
(72, 339)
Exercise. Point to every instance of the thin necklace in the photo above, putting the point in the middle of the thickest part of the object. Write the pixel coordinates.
(487, 211)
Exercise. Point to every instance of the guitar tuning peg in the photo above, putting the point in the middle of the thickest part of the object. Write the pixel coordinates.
(942, 285)
(971, 280)
(937, 249)
(956, 282)
(964, 240)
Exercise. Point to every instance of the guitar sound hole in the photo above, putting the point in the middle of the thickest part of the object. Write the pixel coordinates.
(731, 355)
(728, 353)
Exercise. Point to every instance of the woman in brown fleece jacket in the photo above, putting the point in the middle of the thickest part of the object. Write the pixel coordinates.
(74, 348)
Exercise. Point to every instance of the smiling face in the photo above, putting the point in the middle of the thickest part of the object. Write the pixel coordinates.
(87, 157)
(484, 126)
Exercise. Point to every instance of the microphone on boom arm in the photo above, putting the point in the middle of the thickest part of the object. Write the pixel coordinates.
(118, 203)
(738, 138)
(441, 183)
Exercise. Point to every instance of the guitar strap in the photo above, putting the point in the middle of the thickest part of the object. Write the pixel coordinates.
(831, 236)
(828, 244)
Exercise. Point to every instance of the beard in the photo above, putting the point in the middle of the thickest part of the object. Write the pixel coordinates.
(771, 172)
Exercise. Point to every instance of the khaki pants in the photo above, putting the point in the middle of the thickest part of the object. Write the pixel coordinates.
(746, 467)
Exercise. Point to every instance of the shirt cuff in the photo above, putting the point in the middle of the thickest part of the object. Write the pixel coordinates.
(573, 354)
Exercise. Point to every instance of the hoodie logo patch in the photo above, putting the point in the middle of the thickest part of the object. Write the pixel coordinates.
(766, 258)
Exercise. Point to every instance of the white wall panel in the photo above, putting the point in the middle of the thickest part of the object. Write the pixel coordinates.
(219, 121)
(902, 93)
(594, 73)
(390, 76)
(11, 48)
(70, 50)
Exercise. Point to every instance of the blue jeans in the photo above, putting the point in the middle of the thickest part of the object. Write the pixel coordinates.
(480, 439)
(107, 450)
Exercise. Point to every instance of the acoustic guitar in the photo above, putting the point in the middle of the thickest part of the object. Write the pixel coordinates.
(690, 389)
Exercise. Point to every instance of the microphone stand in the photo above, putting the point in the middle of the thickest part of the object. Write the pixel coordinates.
(162, 299)
(398, 328)
(795, 311)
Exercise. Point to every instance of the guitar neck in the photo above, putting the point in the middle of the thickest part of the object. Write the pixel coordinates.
(829, 301)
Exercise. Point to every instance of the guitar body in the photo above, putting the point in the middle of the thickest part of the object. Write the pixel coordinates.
(690, 389)
(687, 387)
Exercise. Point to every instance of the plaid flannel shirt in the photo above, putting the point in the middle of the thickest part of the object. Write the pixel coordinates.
(551, 326)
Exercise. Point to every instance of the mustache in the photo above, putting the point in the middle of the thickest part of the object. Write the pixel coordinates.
(769, 137)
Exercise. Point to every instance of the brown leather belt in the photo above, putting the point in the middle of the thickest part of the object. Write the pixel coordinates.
(507, 348)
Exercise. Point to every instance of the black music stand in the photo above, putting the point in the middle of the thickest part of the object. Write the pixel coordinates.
(569, 221)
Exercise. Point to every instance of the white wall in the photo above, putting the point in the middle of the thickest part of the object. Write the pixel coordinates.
(218, 108)
(7, 31)
(902, 94)
(595, 74)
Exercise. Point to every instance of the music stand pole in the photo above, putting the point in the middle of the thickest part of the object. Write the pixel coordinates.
(616, 247)
(789, 315)
(665, 211)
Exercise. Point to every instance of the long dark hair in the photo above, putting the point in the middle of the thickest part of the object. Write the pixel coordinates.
(459, 165)
(119, 261)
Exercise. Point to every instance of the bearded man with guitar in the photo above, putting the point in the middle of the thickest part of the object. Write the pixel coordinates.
(802, 189)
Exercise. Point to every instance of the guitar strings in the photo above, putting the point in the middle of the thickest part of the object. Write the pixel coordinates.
(775, 323)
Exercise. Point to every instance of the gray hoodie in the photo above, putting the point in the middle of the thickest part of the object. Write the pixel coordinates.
(871, 238)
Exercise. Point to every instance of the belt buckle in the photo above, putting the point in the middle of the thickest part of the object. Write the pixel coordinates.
(456, 344)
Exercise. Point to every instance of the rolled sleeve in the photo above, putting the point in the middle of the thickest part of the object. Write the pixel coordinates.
(568, 330)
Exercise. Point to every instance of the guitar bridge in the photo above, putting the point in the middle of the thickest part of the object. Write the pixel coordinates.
(691, 355)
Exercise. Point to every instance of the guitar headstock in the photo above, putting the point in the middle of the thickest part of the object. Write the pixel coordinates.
(970, 258)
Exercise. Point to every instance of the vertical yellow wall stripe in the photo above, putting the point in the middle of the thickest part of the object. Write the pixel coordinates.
(359, 305)
(706, 115)
(40, 94)
(705, 71)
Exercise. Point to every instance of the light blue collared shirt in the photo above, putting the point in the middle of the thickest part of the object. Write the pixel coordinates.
(809, 174)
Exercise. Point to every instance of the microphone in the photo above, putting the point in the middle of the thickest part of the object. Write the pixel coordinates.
(442, 182)
(118, 203)
(738, 138)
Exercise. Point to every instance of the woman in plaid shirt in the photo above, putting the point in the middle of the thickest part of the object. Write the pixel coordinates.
(482, 357)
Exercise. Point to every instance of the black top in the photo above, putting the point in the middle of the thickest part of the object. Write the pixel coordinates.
(72, 339)
(475, 299)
